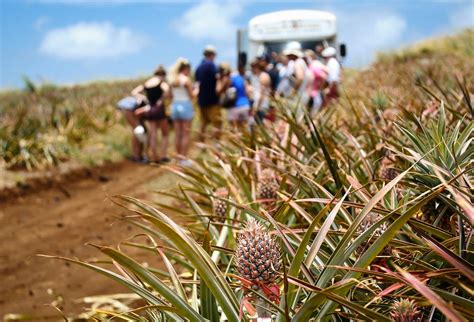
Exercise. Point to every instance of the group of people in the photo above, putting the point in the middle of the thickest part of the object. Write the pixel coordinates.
(308, 79)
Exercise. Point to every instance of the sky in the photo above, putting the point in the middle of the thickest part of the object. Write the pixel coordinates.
(71, 41)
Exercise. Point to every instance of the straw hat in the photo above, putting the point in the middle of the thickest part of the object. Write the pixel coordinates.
(329, 52)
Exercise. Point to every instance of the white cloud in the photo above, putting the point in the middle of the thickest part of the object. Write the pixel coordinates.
(209, 20)
(91, 40)
(367, 33)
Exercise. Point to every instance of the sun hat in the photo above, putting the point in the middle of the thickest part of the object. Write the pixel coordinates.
(329, 52)
(293, 48)
(209, 49)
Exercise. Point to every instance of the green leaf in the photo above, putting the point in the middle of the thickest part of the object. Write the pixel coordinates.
(155, 283)
(208, 301)
(195, 254)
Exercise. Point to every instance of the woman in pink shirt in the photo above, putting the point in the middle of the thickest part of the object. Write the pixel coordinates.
(319, 72)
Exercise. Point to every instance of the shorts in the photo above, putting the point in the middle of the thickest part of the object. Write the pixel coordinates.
(238, 114)
(128, 103)
(211, 114)
(156, 113)
(182, 111)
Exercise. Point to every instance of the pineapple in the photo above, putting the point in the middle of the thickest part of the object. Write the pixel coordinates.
(219, 207)
(368, 221)
(430, 212)
(257, 254)
(387, 171)
(455, 226)
(267, 186)
(405, 310)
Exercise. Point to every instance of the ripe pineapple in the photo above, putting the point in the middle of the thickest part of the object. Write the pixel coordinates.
(405, 310)
(257, 254)
(267, 186)
(219, 207)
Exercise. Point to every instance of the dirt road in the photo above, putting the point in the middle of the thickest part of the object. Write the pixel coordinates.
(60, 222)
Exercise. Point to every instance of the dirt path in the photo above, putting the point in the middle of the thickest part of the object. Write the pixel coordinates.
(60, 222)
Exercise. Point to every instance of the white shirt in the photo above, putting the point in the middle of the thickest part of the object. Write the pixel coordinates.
(334, 72)
(286, 72)
(180, 93)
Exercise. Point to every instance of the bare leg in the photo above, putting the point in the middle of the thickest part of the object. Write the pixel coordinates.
(152, 136)
(137, 147)
(177, 136)
(217, 121)
(202, 136)
(186, 130)
(164, 137)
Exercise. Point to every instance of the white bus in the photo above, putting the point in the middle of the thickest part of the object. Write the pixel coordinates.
(271, 32)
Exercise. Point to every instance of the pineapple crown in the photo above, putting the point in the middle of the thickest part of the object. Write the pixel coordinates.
(221, 192)
(268, 174)
(405, 310)
(257, 254)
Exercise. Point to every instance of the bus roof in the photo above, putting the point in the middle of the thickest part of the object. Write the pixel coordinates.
(291, 24)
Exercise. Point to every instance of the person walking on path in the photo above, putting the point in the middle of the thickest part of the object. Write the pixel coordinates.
(156, 90)
(206, 76)
(182, 111)
(334, 74)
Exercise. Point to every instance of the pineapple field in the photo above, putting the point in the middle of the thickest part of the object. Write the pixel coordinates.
(363, 213)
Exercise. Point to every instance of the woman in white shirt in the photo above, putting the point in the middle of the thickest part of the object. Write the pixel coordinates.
(334, 73)
(182, 110)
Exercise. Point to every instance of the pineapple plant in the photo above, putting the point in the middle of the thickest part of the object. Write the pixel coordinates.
(258, 261)
(387, 171)
(257, 254)
(267, 188)
(219, 207)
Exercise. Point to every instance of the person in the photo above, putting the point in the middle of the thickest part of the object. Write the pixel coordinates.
(127, 106)
(206, 76)
(238, 114)
(318, 51)
(182, 111)
(271, 69)
(319, 73)
(261, 88)
(334, 74)
(156, 90)
(285, 76)
(299, 79)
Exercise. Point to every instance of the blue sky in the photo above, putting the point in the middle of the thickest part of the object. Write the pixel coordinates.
(68, 41)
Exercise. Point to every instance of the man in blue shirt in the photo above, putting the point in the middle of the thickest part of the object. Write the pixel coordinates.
(206, 76)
